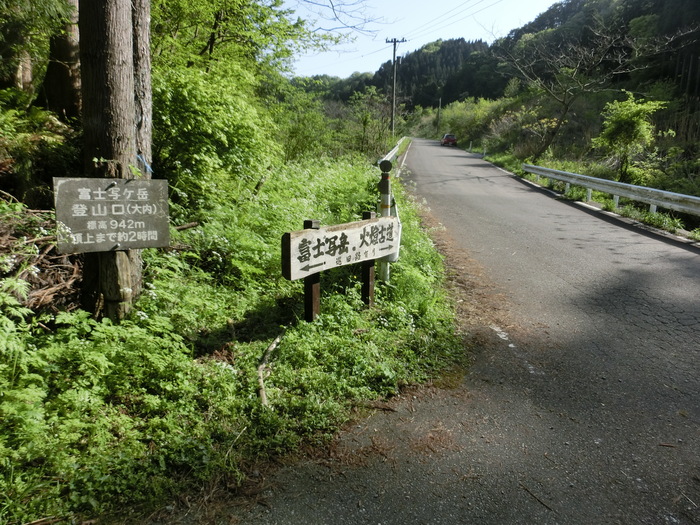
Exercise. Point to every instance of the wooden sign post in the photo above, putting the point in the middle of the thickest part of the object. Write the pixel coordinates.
(368, 271)
(312, 284)
(306, 253)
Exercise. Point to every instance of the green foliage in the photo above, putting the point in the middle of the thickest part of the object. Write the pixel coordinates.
(95, 416)
(660, 220)
(34, 147)
(627, 131)
(303, 128)
(371, 116)
(93, 402)
(471, 120)
(25, 28)
(211, 140)
(200, 34)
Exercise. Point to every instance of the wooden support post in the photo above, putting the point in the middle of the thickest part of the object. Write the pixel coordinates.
(312, 284)
(368, 271)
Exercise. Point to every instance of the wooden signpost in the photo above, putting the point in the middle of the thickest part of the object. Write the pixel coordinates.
(102, 215)
(307, 252)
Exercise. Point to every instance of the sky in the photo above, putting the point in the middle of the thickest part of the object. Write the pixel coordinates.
(419, 22)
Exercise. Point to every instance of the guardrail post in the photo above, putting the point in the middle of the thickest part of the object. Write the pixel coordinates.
(616, 201)
(312, 284)
(589, 195)
(384, 209)
(652, 208)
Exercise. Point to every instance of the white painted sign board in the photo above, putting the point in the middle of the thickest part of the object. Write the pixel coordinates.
(306, 252)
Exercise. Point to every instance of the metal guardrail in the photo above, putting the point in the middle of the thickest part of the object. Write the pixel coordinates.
(392, 154)
(653, 197)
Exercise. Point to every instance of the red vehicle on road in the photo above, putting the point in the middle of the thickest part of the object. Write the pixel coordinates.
(448, 140)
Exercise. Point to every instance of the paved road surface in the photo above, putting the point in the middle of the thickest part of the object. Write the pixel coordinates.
(583, 402)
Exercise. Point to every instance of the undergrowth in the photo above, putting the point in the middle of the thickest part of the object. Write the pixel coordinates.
(626, 208)
(96, 417)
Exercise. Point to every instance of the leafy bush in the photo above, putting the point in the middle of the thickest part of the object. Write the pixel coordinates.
(34, 147)
(471, 119)
(211, 141)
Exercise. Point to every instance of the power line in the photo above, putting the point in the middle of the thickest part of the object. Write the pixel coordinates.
(453, 22)
(436, 24)
(352, 59)
(438, 20)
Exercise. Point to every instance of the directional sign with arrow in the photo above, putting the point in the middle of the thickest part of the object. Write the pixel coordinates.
(306, 252)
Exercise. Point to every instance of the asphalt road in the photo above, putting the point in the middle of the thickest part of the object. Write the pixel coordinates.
(582, 405)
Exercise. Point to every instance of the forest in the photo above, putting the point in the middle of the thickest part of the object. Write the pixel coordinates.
(608, 88)
(130, 378)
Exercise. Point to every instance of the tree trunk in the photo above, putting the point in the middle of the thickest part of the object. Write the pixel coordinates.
(25, 73)
(143, 106)
(61, 87)
(142, 84)
(16, 62)
(106, 51)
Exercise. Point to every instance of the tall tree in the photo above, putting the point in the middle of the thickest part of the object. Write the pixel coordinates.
(371, 113)
(111, 51)
(143, 98)
(61, 86)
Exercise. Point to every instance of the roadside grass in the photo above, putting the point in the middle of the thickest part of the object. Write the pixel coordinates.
(97, 417)
(662, 220)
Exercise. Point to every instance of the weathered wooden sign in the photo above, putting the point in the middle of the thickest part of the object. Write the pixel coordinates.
(306, 252)
(100, 215)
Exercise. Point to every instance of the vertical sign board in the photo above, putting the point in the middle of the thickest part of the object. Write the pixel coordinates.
(102, 215)
(306, 252)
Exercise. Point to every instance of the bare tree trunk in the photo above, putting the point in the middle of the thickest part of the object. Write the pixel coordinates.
(143, 100)
(106, 50)
(142, 84)
(61, 87)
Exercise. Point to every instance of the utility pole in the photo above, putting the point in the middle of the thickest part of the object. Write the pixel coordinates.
(393, 90)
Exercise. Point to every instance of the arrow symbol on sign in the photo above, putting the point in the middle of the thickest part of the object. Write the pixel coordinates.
(386, 248)
(308, 267)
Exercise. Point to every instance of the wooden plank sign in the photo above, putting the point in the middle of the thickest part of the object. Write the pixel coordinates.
(100, 215)
(306, 252)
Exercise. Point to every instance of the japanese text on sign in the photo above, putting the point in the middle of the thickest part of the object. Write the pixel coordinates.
(306, 252)
(110, 214)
